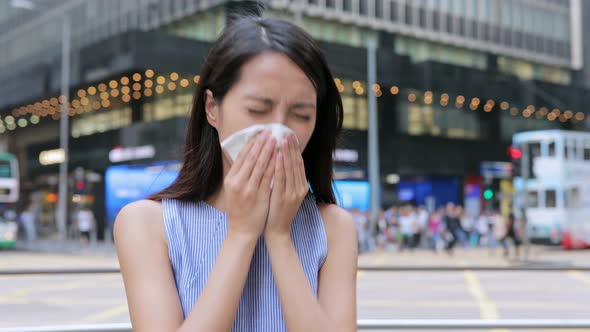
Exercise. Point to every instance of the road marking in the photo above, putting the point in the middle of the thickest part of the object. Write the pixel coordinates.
(579, 276)
(487, 308)
(104, 315)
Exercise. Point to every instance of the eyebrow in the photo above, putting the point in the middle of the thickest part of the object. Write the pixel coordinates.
(269, 102)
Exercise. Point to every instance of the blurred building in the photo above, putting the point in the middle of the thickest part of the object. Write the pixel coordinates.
(456, 79)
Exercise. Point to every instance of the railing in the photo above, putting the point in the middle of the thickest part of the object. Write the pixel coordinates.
(368, 268)
(370, 324)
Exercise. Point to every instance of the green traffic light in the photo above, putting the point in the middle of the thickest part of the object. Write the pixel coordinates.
(488, 194)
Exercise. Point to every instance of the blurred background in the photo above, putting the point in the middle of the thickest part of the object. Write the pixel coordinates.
(466, 142)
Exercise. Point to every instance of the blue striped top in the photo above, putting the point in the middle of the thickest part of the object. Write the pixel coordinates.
(195, 232)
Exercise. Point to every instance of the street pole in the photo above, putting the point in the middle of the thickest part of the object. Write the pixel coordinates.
(524, 171)
(373, 134)
(62, 204)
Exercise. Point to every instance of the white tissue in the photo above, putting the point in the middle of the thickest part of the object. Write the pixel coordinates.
(238, 140)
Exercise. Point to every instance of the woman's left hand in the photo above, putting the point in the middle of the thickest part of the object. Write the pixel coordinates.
(289, 189)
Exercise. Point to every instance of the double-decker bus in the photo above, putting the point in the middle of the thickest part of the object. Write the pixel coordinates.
(554, 187)
(9, 195)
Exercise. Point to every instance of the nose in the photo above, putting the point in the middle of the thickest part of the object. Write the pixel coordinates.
(280, 116)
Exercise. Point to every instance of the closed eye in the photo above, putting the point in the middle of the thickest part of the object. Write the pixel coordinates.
(257, 112)
(302, 117)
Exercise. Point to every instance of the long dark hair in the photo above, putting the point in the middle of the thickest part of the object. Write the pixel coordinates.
(201, 174)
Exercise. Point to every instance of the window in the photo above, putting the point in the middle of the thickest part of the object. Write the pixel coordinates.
(572, 198)
(552, 149)
(355, 107)
(379, 8)
(570, 150)
(533, 199)
(550, 198)
(394, 11)
(5, 169)
(418, 118)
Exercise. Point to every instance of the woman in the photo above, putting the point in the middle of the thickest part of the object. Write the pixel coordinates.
(220, 250)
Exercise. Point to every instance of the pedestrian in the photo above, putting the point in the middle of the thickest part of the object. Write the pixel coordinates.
(86, 225)
(452, 226)
(253, 242)
(421, 225)
(511, 235)
(407, 227)
(28, 222)
(362, 227)
(434, 230)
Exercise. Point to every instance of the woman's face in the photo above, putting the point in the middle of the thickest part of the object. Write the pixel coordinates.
(270, 89)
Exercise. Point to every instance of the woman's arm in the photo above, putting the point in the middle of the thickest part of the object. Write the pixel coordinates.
(335, 307)
(149, 281)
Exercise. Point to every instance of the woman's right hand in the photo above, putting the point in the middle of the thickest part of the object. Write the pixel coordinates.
(247, 186)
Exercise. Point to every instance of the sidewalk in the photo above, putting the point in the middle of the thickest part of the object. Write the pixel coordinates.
(69, 247)
(538, 255)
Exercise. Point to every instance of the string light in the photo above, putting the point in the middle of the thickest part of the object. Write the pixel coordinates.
(102, 87)
(197, 79)
(411, 97)
(174, 76)
(92, 91)
(580, 116)
(161, 80)
(137, 77)
(184, 82)
(149, 73)
(113, 84)
(124, 80)
(394, 90)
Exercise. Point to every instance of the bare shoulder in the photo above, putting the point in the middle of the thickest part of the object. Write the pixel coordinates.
(338, 223)
(141, 220)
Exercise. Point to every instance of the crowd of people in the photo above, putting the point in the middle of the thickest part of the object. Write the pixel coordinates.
(407, 227)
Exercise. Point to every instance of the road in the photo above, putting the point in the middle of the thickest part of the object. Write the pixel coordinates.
(35, 300)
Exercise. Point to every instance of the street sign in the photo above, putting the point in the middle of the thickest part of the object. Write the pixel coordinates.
(496, 169)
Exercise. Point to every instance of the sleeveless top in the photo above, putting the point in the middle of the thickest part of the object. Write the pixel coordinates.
(195, 232)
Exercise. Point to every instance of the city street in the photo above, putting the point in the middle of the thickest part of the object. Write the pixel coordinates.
(35, 300)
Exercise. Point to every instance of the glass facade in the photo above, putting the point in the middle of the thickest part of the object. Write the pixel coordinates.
(423, 115)
(354, 104)
(421, 50)
(101, 121)
(203, 26)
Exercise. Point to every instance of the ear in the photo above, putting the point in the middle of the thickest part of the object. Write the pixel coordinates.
(211, 108)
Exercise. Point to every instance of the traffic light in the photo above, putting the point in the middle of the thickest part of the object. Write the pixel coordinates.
(488, 194)
(515, 155)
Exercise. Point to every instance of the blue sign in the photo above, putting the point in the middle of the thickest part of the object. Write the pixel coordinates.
(496, 169)
(353, 194)
(128, 183)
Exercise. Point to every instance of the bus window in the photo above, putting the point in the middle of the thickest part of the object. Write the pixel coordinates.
(570, 150)
(587, 150)
(552, 149)
(5, 169)
(572, 198)
(534, 151)
(550, 198)
(533, 199)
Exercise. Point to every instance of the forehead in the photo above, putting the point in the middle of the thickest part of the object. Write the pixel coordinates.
(275, 75)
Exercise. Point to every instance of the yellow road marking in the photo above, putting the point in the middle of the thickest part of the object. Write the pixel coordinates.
(104, 315)
(487, 308)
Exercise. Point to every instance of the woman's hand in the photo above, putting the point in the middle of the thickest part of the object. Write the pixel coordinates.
(247, 185)
(289, 189)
